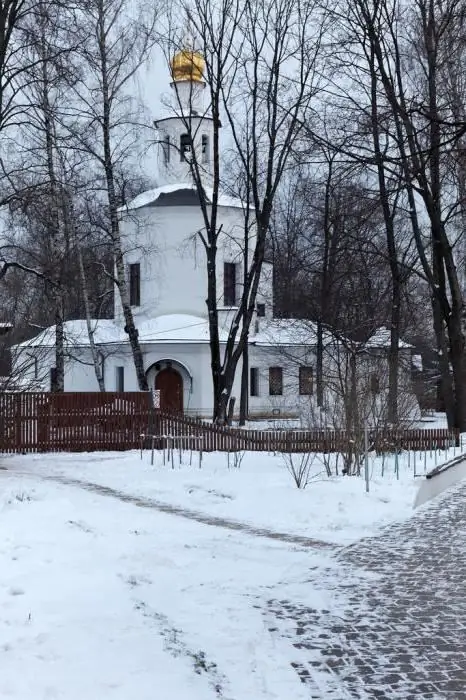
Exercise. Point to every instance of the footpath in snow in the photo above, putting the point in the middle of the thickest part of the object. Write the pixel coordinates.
(260, 492)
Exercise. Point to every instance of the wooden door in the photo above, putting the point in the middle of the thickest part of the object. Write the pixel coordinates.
(170, 384)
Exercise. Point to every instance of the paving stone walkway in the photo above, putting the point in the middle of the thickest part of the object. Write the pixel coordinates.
(398, 626)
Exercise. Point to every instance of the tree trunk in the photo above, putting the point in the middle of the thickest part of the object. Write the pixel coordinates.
(388, 215)
(59, 385)
(394, 353)
(130, 327)
(90, 330)
(244, 395)
(243, 406)
(53, 221)
(320, 365)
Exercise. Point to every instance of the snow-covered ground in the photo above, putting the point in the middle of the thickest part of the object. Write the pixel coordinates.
(261, 492)
(102, 599)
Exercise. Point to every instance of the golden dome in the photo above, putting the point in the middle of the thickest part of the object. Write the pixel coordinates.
(188, 65)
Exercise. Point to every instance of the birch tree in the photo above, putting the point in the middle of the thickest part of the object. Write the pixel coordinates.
(115, 38)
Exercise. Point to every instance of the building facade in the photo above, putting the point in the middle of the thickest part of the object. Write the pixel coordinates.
(161, 233)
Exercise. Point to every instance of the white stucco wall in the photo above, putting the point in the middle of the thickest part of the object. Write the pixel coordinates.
(290, 359)
(165, 241)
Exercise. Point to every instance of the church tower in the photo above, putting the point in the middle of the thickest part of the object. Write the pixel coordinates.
(188, 129)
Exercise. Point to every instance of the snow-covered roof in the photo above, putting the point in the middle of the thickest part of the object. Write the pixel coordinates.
(289, 331)
(381, 339)
(149, 198)
(185, 328)
(177, 328)
(170, 328)
(105, 331)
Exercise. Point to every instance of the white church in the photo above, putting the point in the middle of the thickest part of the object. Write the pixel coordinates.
(168, 287)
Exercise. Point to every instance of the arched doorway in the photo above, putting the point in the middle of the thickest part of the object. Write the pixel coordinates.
(170, 384)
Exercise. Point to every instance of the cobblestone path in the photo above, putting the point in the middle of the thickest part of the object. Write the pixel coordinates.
(398, 626)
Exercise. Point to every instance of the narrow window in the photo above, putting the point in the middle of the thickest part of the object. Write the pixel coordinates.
(120, 378)
(53, 379)
(260, 310)
(229, 284)
(205, 149)
(306, 381)
(135, 284)
(275, 381)
(375, 384)
(254, 381)
(166, 149)
(102, 365)
(185, 146)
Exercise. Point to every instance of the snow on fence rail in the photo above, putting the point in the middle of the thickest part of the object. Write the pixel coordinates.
(85, 422)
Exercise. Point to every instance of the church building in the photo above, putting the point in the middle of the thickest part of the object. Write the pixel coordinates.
(167, 280)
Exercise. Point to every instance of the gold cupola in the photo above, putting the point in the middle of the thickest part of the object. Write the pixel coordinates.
(188, 65)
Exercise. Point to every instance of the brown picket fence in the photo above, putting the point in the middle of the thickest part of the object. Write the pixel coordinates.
(87, 422)
(194, 433)
(73, 422)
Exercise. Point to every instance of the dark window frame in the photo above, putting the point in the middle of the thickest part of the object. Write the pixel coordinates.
(205, 148)
(53, 379)
(306, 383)
(120, 378)
(166, 149)
(254, 381)
(229, 284)
(135, 284)
(275, 381)
(102, 365)
(186, 145)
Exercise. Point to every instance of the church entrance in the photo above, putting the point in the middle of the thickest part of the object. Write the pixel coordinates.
(170, 384)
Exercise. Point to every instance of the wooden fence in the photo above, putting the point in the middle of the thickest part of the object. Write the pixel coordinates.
(192, 433)
(85, 422)
(73, 422)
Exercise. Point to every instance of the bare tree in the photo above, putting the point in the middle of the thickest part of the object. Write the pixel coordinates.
(115, 39)
(407, 45)
(261, 61)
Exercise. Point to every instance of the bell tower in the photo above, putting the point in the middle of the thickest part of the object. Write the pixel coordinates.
(187, 132)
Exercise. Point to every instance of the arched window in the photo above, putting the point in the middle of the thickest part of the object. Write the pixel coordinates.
(205, 149)
(185, 146)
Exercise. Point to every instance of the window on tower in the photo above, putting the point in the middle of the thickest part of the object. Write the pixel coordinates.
(166, 149)
(205, 149)
(229, 284)
(185, 146)
(135, 284)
